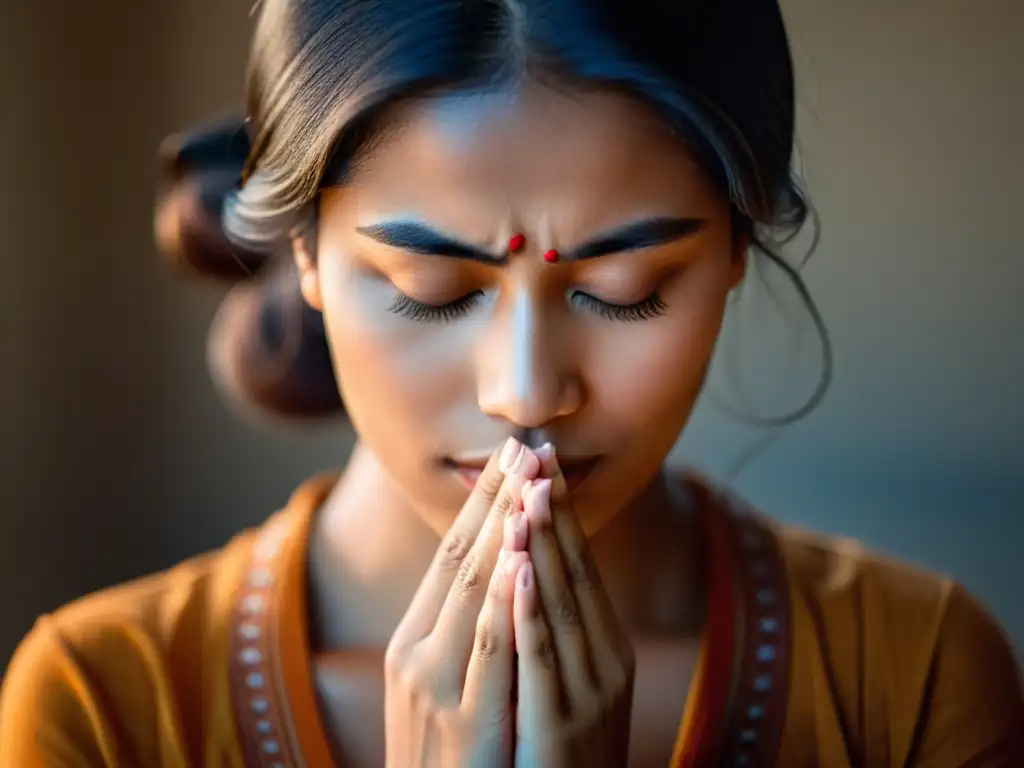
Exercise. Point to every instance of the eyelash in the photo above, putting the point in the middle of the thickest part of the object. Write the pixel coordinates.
(427, 313)
(646, 309)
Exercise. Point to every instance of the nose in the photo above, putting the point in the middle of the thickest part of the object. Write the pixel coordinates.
(524, 374)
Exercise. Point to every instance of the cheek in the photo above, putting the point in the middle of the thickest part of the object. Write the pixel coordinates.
(386, 363)
(647, 375)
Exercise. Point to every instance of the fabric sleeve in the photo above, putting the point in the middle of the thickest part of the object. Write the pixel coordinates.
(973, 709)
(48, 715)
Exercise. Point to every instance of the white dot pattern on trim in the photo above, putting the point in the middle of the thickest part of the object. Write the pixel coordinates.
(760, 704)
(258, 715)
(759, 707)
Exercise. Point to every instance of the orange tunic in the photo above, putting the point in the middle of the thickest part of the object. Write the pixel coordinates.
(817, 653)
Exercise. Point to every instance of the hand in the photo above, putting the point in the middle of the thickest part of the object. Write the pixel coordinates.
(576, 664)
(449, 668)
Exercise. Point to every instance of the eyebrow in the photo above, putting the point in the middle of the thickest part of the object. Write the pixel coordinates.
(419, 238)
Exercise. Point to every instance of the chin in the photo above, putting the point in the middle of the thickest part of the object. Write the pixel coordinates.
(594, 512)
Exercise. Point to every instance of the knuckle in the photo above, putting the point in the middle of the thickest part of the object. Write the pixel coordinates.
(454, 551)
(544, 650)
(503, 504)
(396, 656)
(448, 721)
(623, 672)
(578, 574)
(567, 612)
(469, 577)
(488, 643)
(582, 572)
(412, 673)
(490, 481)
(427, 680)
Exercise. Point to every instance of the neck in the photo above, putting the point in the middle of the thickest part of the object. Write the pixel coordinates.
(650, 559)
(369, 550)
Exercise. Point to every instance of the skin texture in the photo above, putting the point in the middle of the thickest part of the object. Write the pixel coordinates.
(456, 693)
(560, 169)
(529, 354)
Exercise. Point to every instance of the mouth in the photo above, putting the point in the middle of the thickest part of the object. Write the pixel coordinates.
(575, 470)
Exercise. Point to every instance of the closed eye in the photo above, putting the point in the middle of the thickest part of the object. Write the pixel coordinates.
(645, 309)
(434, 313)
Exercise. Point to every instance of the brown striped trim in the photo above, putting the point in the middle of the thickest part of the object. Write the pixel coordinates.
(702, 731)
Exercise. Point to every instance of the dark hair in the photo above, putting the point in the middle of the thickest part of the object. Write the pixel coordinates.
(322, 72)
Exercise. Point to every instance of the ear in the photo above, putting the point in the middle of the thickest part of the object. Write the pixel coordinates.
(740, 247)
(309, 276)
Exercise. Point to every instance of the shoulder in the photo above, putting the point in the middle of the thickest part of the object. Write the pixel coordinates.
(907, 660)
(116, 670)
(840, 578)
(138, 674)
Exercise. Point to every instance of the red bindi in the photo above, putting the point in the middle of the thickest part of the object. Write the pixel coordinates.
(516, 242)
(551, 256)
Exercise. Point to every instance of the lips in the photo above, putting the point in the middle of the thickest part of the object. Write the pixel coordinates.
(467, 475)
(575, 470)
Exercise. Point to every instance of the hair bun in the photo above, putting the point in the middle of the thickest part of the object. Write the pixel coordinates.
(223, 144)
(199, 169)
(267, 350)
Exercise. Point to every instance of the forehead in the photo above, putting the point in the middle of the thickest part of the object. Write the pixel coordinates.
(532, 152)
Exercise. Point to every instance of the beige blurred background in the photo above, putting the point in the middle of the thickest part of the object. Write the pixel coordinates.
(119, 458)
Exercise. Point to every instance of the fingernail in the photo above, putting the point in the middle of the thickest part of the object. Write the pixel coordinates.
(526, 576)
(545, 452)
(510, 454)
(515, 532)
(538, 503)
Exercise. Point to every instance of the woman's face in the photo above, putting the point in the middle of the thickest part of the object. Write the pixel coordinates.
(445, 343)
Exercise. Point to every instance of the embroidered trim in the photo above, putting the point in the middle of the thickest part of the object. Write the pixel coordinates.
(759, 701)
(259, 716)
(761, 698)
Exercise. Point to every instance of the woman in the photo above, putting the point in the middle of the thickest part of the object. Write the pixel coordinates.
(510, 230)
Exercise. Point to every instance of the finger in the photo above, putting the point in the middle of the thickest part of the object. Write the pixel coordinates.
(423, 611)
(539, 704)
(487, 693)
(453, 631)
(606, 639)
(516, 533)
(517, 459)
(556, 596)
